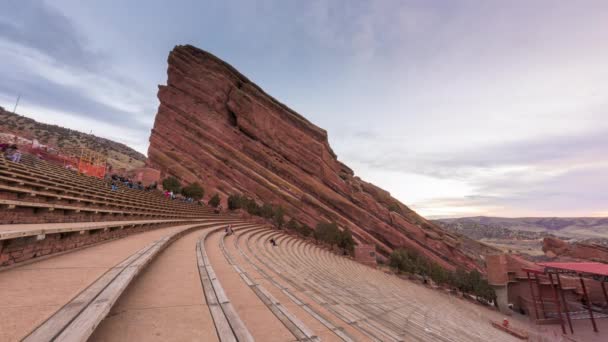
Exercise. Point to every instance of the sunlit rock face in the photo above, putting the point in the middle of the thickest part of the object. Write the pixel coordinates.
(216, 127)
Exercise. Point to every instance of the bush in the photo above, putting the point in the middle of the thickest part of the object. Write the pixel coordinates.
(266, 211)
(346, 241)
(193, 190)
(329, 233)
(292, 225)
(214, 201)
(300, 229)
(251, 206)
(305, 230)
(278, 217)
(234, 202)
(172, 184)
(468, 282)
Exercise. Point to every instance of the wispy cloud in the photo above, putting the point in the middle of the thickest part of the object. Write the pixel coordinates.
(48, 62)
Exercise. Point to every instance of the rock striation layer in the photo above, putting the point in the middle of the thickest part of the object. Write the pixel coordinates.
(216, 127)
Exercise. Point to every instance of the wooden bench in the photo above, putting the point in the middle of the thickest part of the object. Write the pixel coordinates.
(77, 320)
(228, 324)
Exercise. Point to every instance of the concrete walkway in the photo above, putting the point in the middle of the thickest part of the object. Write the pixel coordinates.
(31, 293)
(164, 303)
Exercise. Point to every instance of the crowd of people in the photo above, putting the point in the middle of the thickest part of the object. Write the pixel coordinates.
(11, 152)
(116, 179)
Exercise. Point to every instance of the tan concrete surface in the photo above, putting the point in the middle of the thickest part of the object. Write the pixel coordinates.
(166, 302)
(317, 327)
(261, 322)
(249, 241)
(12, 230)
(31, 293)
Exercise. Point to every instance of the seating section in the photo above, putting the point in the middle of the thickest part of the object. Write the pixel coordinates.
(183, 277)
(47, 209)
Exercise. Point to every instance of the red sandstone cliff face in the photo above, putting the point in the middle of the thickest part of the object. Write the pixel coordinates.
(215, 126)
(554, 247)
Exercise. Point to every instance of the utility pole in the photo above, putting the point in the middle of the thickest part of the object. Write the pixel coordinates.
(16, 104)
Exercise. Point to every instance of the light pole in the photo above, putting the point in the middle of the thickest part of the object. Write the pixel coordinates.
(16, 104)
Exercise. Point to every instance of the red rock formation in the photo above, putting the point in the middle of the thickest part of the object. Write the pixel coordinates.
(217, 127)
(554, 247)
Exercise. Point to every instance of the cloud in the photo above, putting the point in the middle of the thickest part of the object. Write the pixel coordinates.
(51, 65)
(545, 151)
(38, 26)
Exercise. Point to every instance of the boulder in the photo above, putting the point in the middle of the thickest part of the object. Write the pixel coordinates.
(216, 127)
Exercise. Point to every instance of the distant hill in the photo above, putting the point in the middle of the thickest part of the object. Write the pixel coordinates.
(119, 155)
(491, 227)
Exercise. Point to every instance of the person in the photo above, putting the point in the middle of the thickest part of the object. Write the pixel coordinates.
(272, 242)
(16, 155)
(230, 231)
(114, 187)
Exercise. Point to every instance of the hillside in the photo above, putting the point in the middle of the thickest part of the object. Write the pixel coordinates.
(216, 127)
(526, 235)
(569, 227)
(119, 155)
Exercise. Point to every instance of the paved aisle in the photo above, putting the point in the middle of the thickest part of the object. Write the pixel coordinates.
(166, 302)
(261, 322)
(31, 293)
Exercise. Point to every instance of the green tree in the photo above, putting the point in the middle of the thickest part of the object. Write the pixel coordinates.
(266, 211)
(234, 202)
(278, 217)
(305, 230)
(193, 190)
(252, 207)
(214, 201)
(346, 241)
(327, 232)
(292, 224)
(172, 184)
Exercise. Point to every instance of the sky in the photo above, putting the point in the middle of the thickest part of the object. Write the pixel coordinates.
(458, 108)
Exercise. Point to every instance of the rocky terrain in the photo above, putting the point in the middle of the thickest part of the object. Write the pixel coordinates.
(216, 127)
(554, 247)
(527, 235)
(119, 155)
(577, 228)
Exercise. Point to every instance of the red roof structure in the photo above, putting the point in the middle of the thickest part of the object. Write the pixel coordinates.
(590, 268)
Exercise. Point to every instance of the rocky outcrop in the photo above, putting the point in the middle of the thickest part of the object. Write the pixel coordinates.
(217, 127)
(554, 247)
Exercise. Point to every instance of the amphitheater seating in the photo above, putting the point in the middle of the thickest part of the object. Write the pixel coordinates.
(55, 220)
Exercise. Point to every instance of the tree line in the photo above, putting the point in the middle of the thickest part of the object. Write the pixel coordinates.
(412, 262)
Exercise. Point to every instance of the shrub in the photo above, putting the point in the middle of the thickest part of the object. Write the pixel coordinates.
(278, 217)
(394, 207)
(252, 207)
(305, 230)
(468, 282)
(346, 241)
(234, 202)
(266, 211)
(329, 233)
(172, 184)
(214, 201)
(193, 190)
(292, 225)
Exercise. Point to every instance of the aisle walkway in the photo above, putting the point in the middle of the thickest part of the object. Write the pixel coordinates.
(166, 302)
(261, 322)
(29, 294)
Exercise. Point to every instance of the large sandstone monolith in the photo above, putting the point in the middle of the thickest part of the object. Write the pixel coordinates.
(216, 127)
